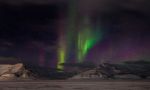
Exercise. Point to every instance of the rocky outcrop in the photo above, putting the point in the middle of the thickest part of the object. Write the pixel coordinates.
(13, 72)
(7, 77)
(136, 68)
(87, 74)
(128, 70)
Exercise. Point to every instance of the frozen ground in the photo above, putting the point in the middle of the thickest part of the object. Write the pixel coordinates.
(77, 85)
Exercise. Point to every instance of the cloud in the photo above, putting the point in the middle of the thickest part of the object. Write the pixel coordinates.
(100, 6)
(17, 2)
(93, 6)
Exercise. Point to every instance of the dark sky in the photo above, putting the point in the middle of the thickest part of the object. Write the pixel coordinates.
(21, 22)
(25, 30)
(26, 27)
(19, 2)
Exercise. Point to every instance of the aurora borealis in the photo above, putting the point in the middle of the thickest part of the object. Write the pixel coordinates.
(87, 38)
(77, 41)
(61, 49)
(52, 35)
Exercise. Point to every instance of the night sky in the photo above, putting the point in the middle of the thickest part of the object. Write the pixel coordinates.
(31, 30)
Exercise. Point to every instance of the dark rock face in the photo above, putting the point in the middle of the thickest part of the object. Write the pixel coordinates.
(125, 70)
(138, 68)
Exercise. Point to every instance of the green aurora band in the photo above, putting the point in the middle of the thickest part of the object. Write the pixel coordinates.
(83, 38)
(87, 38)
(65, 40)
(61, 53)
